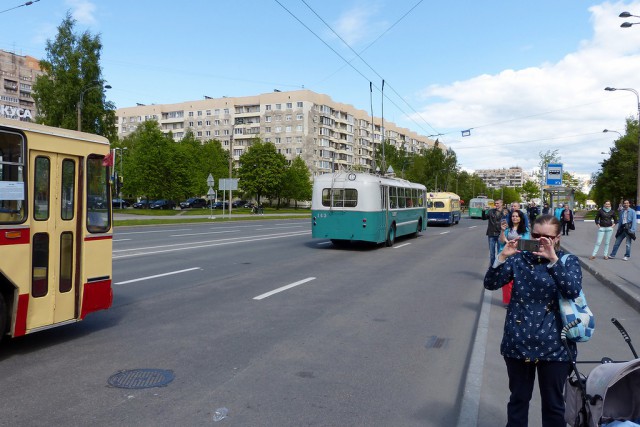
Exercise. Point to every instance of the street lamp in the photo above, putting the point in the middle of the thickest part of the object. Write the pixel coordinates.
(628, 15)
(628, 89)
(119, 186)
(79, 105)
(609, 130)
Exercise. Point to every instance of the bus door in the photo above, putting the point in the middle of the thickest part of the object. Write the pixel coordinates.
(54, 226)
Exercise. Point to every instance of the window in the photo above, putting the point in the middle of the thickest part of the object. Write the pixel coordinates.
(288, 117)
(340, 197)
(12, 169)
(199, 122)
(199, 133)
(225, 122)
(288, 140)
(216, 111)
(98, 217)
(299, 116)
(278, 106)
(67, 190)
(226, 132)
(278, 118)
(278, 129)
(226, 111)
(207, 122)
(299, 104)
(299, 139)
(40, 265)
(267, 107)
(216, 122)
(299, 128)
(199, 113)
(207, 133)
(267, 119)
(190, 113)
(216, 133)
(287, 129)
(65, 283)
(289, 105)
(267, 129)
(278, 140)
(42, 193)
(208, 112)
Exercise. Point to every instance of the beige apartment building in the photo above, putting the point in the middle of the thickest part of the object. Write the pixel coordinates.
(18, 76)
(499, 178)
(327, 135)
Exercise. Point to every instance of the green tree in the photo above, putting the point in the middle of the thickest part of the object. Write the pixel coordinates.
(262, 169)
(71, 71)
(617, 178)
(530, 190)
(214, 160)
(297, 182)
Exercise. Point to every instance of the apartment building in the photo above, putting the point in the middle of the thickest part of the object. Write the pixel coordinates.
(327, 135)
(18, 76)
(500, 178)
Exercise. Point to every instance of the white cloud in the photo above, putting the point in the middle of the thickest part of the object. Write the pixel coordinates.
(516, 114)
(83, 11)
(356, 24)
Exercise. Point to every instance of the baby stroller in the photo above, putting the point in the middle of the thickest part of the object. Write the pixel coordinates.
(609, 395)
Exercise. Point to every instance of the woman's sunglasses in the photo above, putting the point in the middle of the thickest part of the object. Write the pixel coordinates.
(537, 236)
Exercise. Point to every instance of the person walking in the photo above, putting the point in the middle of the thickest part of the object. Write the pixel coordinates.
(566, 216)
(531, 343)
(533, 212)
(606, 218)
(494, 228)
(626, 229)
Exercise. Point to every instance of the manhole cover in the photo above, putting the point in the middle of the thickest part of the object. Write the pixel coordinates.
(141, 378)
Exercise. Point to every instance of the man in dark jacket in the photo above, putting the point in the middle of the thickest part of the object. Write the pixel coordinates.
(493, 228)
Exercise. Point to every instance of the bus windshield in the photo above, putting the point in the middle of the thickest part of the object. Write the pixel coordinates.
(12, 189)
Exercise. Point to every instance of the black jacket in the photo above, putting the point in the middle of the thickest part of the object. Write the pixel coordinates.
(493, 225)
(606, 219)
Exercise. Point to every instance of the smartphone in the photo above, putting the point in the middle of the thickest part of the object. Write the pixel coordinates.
(528, 245)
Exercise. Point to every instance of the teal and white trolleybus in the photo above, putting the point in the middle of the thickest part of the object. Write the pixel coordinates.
(351, 206)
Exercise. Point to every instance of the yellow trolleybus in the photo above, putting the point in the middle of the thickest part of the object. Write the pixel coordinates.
(55, 226)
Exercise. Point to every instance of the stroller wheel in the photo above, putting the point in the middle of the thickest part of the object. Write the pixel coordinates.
(606, 360)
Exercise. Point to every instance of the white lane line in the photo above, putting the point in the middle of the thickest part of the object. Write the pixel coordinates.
(154, 231)
(121, 240)
(203, 233)
(445, 232)
(284, 288)
(324, 243)
(473, 226)
(401, 246)
(157, 275)
(280, 228)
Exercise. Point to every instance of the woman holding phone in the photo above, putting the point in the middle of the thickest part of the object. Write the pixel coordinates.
(531, 342)
(511, 230)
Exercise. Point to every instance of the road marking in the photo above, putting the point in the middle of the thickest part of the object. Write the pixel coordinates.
(473, 226)
(157, 275)
(401, 246)
(203, 233)
(445, 232)
(120, 240)
(281, 227)
(324, 243)
(154, 231)
(126, 253)
(284, 288)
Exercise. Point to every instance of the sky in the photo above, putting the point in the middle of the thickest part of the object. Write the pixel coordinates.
(522, 78)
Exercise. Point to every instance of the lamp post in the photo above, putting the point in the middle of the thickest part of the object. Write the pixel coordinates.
(119, 186)
(609, 130)
(79, 105)
(628, 89)
(628, 15)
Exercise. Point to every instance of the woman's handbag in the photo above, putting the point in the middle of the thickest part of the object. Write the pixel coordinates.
(571, 226)
(576, 308)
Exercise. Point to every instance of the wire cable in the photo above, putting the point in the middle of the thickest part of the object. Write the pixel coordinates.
(29, 3)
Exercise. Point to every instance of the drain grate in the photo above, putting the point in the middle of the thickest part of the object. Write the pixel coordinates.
(141, 378)
(435, 341)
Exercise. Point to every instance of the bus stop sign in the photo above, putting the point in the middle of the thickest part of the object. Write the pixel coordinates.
(554, 174)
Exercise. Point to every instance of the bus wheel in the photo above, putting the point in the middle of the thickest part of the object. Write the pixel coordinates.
(419, 229)
(339, 242)
(391, 236)
(3, 317)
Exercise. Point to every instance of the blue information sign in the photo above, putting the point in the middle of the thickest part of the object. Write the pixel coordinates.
(554, 174)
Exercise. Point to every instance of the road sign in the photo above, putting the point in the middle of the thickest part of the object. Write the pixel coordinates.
(228, 184)
(210, 180)
(211, 193)
(554, 174)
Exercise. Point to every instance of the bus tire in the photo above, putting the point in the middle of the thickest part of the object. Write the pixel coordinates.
(339, 242)
(391, 235)
(419, 229)
(4, 314)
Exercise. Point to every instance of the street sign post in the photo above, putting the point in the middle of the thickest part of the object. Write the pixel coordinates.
(554, 174)
(211, 194)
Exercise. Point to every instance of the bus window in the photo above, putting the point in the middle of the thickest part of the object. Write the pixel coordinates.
(350, 197)
(98, 218)
(66, 262)
(12, 189)
(40, 265)
(401, 199)
(393, 197)
(326, 197)
(41, 195)
(439, 205)
(68, 188)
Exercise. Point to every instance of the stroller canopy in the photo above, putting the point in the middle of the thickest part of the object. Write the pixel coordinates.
(618, 384)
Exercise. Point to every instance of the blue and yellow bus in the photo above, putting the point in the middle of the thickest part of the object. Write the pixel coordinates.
(479, 207)
(443, 208)
(351, 206)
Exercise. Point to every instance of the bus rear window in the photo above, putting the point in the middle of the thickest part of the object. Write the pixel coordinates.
(340, 197)
(12, 188)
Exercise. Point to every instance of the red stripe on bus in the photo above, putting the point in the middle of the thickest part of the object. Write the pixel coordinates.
(88, 238)
(96, 296)
(21, 315)
(15, 236)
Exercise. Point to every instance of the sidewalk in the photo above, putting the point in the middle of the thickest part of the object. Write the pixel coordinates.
(486, 388)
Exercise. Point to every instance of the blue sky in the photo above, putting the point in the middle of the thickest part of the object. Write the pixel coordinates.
(525, 77)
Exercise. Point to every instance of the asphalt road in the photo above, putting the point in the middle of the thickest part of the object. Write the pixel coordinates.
(357, 336)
